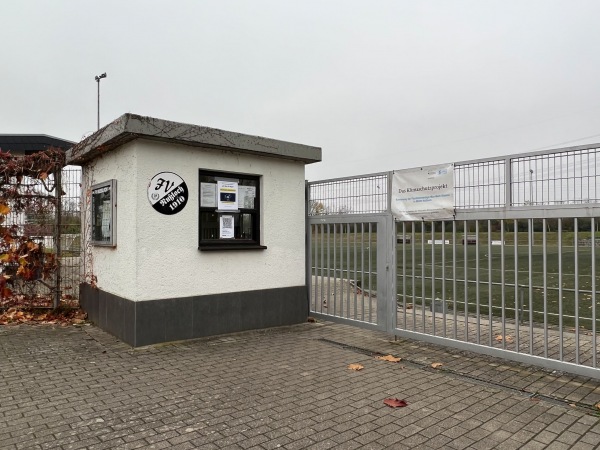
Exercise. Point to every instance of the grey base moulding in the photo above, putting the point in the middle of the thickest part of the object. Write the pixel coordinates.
(140, 323)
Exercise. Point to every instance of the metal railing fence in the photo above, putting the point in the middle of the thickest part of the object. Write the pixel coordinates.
(567, 176)
(513, 274)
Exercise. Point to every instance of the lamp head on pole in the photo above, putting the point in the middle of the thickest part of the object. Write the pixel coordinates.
(99, 77)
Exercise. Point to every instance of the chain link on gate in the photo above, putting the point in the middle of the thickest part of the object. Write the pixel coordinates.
(40, 231)
(512, 274)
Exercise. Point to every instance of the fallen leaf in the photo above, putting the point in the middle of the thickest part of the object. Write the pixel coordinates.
(436, 365)
(572, 405)
(389, 358)
(356, 367)
(4, 209)
(597, 405)
(395, 403)
(501, 338)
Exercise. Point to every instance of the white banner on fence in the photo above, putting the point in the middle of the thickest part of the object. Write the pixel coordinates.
(425, 193)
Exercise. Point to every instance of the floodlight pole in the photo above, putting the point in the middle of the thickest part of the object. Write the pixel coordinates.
(531, 186)
(98, 78)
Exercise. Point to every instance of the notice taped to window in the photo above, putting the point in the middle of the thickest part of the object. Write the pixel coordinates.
(246, 196)
(227, 193)
(208, 195)
(226, 227)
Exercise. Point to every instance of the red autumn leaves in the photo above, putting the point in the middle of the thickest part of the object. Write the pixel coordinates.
(395, 403)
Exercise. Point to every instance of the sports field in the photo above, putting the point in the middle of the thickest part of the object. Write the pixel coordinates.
(507, 278)
(522, 278)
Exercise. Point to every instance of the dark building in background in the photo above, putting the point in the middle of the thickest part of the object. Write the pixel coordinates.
(26, 144)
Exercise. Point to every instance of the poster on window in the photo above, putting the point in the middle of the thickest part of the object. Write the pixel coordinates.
(226, 227)
(227, 193)
(425, 193)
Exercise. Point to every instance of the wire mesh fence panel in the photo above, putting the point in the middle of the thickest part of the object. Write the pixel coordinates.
(556, 178)
(480, 184)
(366, 194)
(40, 245)
(70, 234)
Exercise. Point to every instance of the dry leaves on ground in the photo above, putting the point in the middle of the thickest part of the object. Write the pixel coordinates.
(500, 338)
(63, 317)
(395, 403)
(389, 358)
(356, 367)
(436, 365)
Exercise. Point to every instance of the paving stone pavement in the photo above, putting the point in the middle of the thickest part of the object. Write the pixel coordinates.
(288, 388)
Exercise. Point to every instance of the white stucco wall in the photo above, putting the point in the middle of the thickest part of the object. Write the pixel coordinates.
(116, 266)
(157, 255)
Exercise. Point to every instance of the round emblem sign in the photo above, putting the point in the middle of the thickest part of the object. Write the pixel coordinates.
(167, 193)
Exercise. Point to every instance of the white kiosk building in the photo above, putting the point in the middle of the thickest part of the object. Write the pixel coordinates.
(191, 231)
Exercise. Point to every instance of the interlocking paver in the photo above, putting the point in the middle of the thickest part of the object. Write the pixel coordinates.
(78, 387)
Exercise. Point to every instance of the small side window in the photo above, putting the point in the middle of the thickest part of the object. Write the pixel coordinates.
(104, 213)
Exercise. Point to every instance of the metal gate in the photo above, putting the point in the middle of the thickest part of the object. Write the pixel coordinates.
(350, 265)
(512, 275)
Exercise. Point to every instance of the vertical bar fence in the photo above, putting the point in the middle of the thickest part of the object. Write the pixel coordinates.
(513, 274)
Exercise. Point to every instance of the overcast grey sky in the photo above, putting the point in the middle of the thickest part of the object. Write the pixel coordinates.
(378, 85)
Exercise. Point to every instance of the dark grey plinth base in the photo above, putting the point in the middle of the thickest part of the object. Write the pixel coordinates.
(154, 321)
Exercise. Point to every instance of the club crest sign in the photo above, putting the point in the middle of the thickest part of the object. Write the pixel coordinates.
(167, 193)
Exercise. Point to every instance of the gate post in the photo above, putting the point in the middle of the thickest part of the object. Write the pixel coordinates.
(308, 245)
(386, 266)
(57, 233)
(391, 297)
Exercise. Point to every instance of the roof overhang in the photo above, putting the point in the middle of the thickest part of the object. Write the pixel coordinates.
(132, 126)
